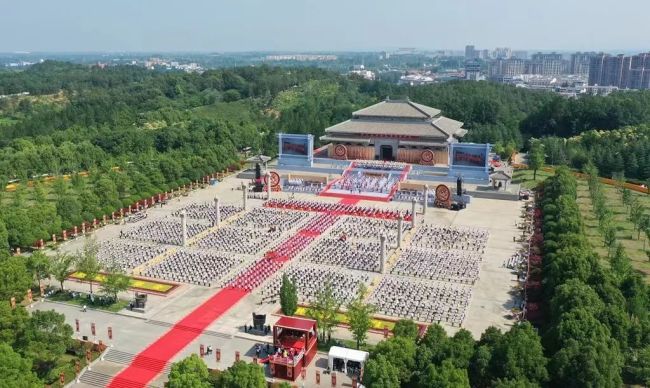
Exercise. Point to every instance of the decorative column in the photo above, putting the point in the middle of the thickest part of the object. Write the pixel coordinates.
(426, 199)
(217, 211)
(245, 192)
(400, 221)
(268, 186)
(184, 227)
(382, 253)
(413, 204)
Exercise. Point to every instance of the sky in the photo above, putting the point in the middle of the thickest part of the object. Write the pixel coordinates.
(326, 25)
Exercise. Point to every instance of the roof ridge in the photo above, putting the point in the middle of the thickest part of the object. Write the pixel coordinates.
(412, 103)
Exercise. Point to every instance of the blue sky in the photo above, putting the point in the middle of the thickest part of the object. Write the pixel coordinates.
(329, 25)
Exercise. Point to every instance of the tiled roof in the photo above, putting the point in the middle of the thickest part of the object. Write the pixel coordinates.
(398, 108)
(385, 127)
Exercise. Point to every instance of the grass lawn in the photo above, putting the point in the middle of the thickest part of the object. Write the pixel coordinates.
(525, 178)
(341, 318)
(135, 283)
(625, 232)
(83, 300)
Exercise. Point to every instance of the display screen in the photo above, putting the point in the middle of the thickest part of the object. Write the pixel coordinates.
(469, 156)
(293, 146)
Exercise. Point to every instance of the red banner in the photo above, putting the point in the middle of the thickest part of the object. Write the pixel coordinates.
(201, 350)
(218, 355)
(333, 379)
(303, 373)
(92, 328)
(62, 378)
(110, 333)
(76, 325)
(236, 356)
(317, 378)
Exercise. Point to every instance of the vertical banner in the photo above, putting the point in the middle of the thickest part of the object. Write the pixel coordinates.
(76, 325)
(201, 350)
(110, 333)
(218, 355)
(92, 328)
(317, 378)
(333, 379)
(237, 356)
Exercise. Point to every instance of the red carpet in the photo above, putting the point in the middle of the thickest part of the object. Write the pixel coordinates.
(350, 201)
(151, 361)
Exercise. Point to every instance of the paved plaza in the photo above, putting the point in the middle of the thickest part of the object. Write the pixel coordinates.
(448, 269)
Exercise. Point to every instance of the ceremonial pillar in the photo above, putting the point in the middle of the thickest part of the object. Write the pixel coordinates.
(382, 252)
(400, 221)
(217, 211)
(243, 187)
(268, 185)
(426, 199)
(184, 227)
(413, 203)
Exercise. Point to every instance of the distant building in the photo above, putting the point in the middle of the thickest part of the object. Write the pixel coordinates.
(502, 53)
(546, 64)
(580, 63)
(520, 54)
(470, 53)
(623, 72)
(473, 70)
(506, 68)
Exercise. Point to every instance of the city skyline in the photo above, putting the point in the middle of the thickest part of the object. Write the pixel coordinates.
(309, 26)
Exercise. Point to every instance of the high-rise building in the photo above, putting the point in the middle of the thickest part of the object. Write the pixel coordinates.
(638, 73)
(470, 52)
(473, 70)
(624, 72)
(520, 54)
(502, 53)
(580, 63)
(507, 67)
(546, 64)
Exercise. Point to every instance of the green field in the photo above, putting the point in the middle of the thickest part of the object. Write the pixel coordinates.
(525, 178)
(625, 232)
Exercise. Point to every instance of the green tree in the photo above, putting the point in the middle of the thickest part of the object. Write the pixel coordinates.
(519, 355)
(446, 375)
(243, 375)
(379, 372)
(536, 157)
(16, 371)
(620, 262)
(401, 352)
(189, 372)
(116, 281)
(12, 323)
(62, 266)
(39, 266)
(4, 239)
(14, 279)
(406, 328)
(610, 238)
(324, 309)
(46, 338)
(288, 296)
(360, 315)
(594, 363)
(87, 261)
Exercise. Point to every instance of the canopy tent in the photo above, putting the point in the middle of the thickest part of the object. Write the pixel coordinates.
(346, 355)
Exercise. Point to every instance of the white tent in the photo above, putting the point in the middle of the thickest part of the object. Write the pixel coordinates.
(346, 355)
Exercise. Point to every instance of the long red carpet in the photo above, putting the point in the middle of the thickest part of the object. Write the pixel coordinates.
(151, 361)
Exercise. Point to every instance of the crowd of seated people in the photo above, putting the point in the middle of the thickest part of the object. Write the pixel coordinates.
(346, 252)
(449, 237)
(422, 301)
(369, 229)
(195, 267)
(302, 186)
(165, 231)
(266, 218)
(452, 266)
(360, 182)
(309, 279)
(335, 208)
(247, 279)
(418, 195)
(206, 211)
(239, 240)
(379, 165)
(127, 254)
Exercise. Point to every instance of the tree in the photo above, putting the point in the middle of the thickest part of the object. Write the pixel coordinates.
(116, 282)
(288, 296)
(39, 266)
(46, 338)
(62, 266)
(16, 371)
(636, 214)
(536, 157)
(87, 261)
(12, 323)
(379, 372)
(620, 262)
(4, 240)
(609, 238)
(324, 309)
(189, 372)
(445, 375)
(14, 279)
(243, 375)
(519, 355)
(406, 328)
(401, 352)
(360, 315)
(593, 363)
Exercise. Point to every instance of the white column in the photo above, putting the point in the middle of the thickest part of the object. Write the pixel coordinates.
(413, 205)
(217, 211)
(400, 221)
(382, 253)
(245, 191)
(426, 199)
(184, 227)
(268, 186)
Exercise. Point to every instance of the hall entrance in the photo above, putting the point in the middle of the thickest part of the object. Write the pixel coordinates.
(386, 152)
